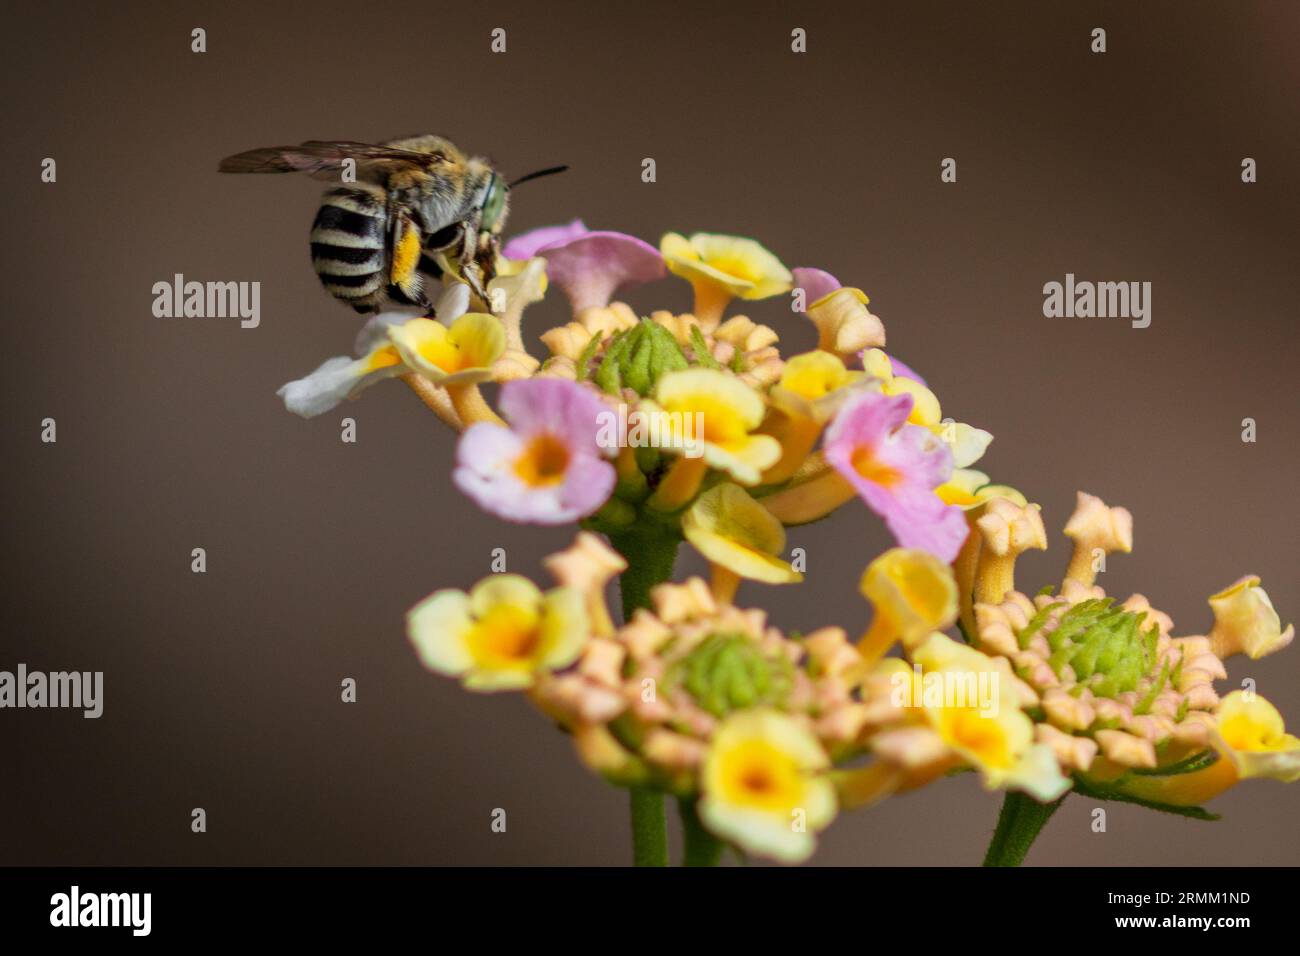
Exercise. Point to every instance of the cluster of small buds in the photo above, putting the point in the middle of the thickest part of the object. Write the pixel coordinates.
(660, 685)
(699, 698)
(1129, 692)
(1116, 690)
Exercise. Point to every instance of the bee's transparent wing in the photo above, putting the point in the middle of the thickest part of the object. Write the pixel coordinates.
(324, 159)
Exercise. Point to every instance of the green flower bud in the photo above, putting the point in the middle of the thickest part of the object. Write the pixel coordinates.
(638, 357)
(1105, 646)
(729, 672)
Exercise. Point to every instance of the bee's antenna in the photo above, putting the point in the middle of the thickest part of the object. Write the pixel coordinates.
(538, 175)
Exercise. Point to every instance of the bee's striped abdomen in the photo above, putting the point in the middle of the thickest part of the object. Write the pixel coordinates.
(348, 241)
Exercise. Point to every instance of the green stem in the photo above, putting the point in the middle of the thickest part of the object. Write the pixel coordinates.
(649, 828)
(702, 847)
(650, 552)
(1021, 820)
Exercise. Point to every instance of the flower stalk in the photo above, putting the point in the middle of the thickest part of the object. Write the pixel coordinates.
(650, 553)
(1021, 820)
(702, 847)
(649, 828)
(435, 399)
(471, 406)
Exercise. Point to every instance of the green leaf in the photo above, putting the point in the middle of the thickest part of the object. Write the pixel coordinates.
(1098, 792)
(1206, 758)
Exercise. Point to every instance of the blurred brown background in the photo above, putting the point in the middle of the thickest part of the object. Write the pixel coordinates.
(222, 690)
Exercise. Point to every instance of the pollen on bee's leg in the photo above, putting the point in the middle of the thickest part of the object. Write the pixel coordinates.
(406, 256)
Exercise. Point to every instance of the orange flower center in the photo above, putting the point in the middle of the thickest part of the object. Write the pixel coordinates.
(866, 465)
(757, 780)
(504, 636)
(544, 462)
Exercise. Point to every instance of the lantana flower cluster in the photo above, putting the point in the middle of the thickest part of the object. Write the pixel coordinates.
(631, 418)
(650, 429)
(1103, 697)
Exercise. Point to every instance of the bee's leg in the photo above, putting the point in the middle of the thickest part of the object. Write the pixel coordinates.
(431, 269)
(416, 298)
(483, 266)
(470, 269)
(423, 303)
(405, 282)
(488, 251)
(470, 272)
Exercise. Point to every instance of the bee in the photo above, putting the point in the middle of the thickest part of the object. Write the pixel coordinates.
(418, 207)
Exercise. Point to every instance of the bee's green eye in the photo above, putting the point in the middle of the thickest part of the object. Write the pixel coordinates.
(493, 202)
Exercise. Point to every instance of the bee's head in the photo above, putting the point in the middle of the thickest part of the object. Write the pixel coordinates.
(494, 204)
